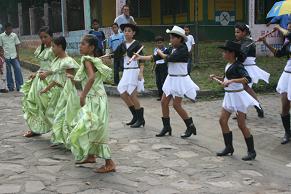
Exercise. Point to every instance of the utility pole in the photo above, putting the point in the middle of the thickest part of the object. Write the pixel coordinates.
(196, 53)
(64, 16)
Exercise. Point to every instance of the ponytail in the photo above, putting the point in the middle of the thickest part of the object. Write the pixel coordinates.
(240, 56)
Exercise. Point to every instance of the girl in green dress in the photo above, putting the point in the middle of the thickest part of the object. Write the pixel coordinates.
(33, 104)
(61, 65)
(88, 138)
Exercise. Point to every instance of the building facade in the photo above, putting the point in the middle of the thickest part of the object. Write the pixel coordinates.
(214, 18)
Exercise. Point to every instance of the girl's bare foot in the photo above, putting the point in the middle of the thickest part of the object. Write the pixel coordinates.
(89, 159)
(108, 167)
(30, 134)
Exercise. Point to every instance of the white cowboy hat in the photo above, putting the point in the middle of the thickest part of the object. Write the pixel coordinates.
(179, 31)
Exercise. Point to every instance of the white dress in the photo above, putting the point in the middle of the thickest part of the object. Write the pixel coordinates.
(284, 83)
(178, 83)
(254, 71)
(236, 99)
(129, 80)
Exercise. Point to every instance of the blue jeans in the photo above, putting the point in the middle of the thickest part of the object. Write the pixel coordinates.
(17, 74)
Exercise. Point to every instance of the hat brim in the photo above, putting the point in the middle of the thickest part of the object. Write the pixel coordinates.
(178, 33)
(129, 25)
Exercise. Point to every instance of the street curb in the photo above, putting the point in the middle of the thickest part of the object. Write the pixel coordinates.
(112, 90)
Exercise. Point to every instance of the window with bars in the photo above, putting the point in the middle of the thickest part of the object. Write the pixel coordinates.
(140, 8)
(261, 10)
(171, 7)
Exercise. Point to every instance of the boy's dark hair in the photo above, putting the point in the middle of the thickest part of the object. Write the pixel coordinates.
(47, 30)
(114, 24)
(7, 25)
(93, 41)
(60, 41)
(187, 26)
(159, 38)
(178, 36)
(95, 21)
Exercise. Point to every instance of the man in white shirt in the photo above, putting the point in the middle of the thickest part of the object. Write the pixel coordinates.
(190, 44)
(10, 43)
(125, 17)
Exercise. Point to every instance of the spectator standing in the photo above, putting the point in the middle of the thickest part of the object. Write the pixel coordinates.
(125, 17)
(100, 37)
(10, 43)
(190, 45)
(114, 41)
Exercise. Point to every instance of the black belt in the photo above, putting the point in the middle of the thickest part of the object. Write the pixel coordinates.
(131, 68)
(231, 91)
(287, 71)
(178, 75)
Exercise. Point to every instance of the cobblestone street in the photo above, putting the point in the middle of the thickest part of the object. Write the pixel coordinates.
(146, 164)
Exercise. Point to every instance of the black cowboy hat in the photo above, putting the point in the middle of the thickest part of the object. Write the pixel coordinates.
(129, 25)
(231, 46)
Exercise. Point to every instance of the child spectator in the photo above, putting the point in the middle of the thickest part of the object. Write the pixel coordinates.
(160, 66)
(99, 35)
(114, 41)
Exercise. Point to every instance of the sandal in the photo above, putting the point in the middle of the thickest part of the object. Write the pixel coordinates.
(29, 134)
(105, 169)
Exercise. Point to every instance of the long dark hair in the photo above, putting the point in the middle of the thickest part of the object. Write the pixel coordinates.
(243, 27)
(60, 41)
(93, 41)
(47, 30)
(240, 56)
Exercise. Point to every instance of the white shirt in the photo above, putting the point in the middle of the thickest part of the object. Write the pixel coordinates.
(122, 19)
(190, 42)
(8, 43)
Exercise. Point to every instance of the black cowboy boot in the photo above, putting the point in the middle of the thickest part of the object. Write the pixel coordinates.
(251, 150)
(286, 124)
(191, 129)
(166, 129)
(228, 145)
(134, 118)
(260, 111)
(140, 119)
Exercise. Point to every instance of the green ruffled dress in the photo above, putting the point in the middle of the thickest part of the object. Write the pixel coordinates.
(33, 104)
(58, 95)
(65, 111)
(89, 128)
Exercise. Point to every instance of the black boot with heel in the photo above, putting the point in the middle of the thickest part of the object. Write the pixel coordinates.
(134, 116)
(251, 150)
(228, 145)
(286, 124)
(166, 129)
(191, 129)
(260, 111)
(140, 119)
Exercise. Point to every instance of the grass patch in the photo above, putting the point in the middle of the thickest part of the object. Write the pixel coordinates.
(211, 62)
